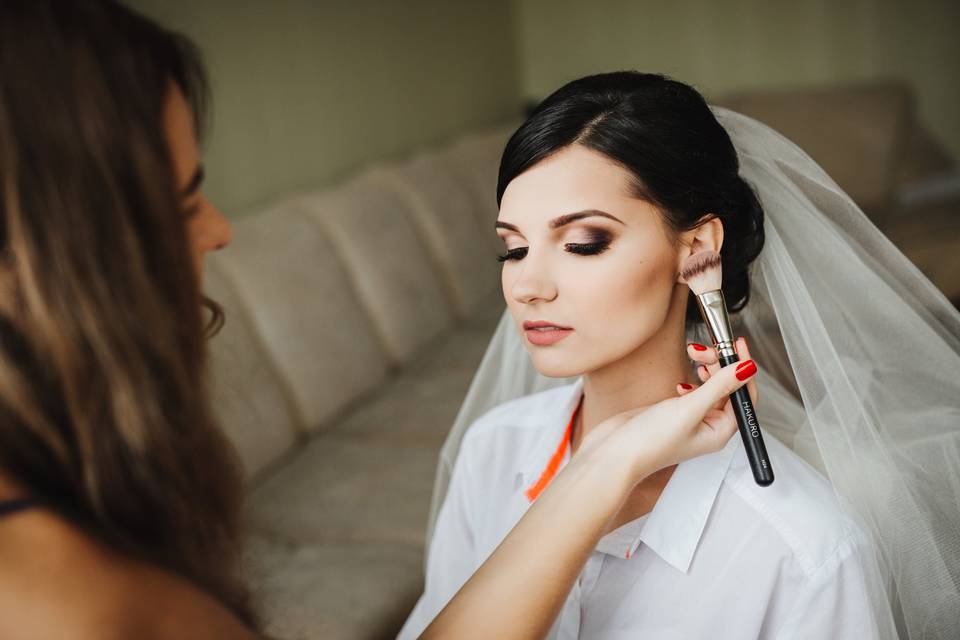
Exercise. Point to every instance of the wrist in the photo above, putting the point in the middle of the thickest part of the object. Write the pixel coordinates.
(620, 458)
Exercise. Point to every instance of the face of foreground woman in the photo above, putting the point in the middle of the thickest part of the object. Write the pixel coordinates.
(207, 228)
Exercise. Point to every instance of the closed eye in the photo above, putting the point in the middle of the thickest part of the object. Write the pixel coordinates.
(513, 254)
(587, 249)
(582, 249)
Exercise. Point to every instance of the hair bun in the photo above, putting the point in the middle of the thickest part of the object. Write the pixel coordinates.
(743, 241)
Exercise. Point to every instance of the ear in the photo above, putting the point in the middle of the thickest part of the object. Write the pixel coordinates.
(706, 236)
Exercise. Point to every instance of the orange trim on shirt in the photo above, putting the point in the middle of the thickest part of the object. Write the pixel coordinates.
(537, 488)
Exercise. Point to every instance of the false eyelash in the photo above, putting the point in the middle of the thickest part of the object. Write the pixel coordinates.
(513, 254)
(591, 249)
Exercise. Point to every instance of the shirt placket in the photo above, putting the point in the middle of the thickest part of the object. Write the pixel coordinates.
(571, 616)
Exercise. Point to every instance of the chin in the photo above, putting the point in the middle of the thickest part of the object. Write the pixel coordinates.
(558, 364)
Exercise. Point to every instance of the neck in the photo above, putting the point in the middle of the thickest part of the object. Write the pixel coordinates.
(643, 377)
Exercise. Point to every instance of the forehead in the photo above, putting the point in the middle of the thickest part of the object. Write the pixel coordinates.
(573, 179)
(180, 134)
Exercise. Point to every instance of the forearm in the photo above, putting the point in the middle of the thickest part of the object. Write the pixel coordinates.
(519, 590)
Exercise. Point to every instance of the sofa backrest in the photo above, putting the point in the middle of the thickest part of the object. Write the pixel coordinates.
(327, 292)
(857, 133)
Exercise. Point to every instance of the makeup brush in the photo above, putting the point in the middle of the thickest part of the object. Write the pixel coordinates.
(703, 274)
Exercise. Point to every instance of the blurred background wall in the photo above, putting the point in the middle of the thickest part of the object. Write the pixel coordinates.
(734, 45)
(359, 310)
(307, 90)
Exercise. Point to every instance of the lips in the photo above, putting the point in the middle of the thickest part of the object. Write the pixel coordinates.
(543, 333)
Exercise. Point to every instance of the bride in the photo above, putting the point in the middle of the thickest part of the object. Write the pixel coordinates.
(604, 191)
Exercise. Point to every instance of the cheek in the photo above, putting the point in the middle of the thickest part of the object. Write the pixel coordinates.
(623, 308)
(628, 289)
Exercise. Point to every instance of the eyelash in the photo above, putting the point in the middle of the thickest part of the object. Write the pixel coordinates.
(588, 249)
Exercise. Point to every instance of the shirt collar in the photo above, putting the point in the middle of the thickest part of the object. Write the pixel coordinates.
(551, 449)
(675, 525)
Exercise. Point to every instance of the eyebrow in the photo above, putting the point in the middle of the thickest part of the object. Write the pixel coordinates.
(194, 183)
(566, 219)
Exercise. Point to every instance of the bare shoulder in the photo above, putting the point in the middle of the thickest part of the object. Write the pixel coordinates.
(57, 582)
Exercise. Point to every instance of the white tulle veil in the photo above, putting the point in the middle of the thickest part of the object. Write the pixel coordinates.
(859, 373)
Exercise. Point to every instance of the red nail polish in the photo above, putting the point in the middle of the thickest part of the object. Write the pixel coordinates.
(686, 386)
(746, 369)
(698, 347)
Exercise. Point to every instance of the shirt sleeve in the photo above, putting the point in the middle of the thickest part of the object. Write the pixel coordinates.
(451, 556)
(834, 602)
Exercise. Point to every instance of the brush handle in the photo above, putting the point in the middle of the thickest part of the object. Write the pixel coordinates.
(749, 428)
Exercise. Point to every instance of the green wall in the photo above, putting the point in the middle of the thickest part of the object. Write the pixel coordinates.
(724, 46)
(306, 91)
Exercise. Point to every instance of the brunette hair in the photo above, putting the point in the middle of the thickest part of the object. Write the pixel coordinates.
(104, 414)
(662, 132)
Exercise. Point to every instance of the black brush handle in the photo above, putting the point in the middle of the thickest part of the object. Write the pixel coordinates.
(749, 427)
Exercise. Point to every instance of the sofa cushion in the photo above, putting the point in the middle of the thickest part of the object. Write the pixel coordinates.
(930, 236)
(924, 159)
(252, 402)
(305, 311)
(476, 161)
(420, 404)
(344, 591)
(389, 265)
(443, 213)
(371, 477)
(857, 133)
(341, 489)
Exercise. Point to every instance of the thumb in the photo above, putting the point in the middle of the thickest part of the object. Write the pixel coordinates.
(719, 387)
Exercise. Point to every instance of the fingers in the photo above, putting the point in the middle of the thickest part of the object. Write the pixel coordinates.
(744, 352)
(709, 361)
(707, 357)
(703, 373)
(683, 388)
(720, 385)
(702, 353)
(722, 428)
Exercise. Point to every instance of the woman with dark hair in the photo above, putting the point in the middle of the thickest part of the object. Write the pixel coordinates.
(611, 183)
(119, 497)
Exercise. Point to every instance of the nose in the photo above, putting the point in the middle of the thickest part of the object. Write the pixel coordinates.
(220, 233)
(533, 282)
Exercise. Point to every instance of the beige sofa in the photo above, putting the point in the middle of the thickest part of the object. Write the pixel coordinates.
(357, 315)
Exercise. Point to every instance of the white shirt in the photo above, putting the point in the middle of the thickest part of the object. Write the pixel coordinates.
(718, 557)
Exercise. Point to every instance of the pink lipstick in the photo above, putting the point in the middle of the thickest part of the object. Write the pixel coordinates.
(542, 333)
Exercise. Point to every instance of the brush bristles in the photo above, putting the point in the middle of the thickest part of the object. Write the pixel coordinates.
(702, 272)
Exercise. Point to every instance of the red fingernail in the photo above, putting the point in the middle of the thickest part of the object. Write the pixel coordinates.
(746, 369)
(698, 347)
(686, 386)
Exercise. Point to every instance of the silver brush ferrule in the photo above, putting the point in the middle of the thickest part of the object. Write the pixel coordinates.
(713, 308)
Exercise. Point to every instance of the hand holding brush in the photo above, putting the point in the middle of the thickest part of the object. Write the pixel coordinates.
(702, 273)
